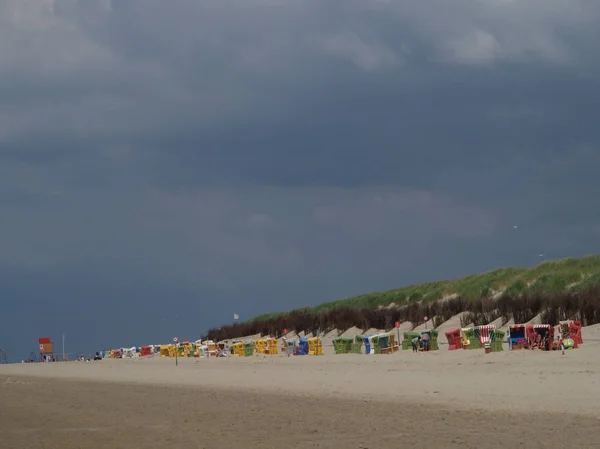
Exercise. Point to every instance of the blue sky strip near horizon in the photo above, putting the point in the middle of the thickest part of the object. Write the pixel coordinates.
(166, 164)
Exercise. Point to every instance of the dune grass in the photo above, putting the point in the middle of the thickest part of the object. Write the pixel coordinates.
(551, 277)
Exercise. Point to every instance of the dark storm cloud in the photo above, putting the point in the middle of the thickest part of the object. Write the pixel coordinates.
(256, 155)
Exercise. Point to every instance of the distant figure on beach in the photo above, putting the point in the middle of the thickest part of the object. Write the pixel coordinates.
(557, 344)
(415, 341)
(426, 341)
(547, 343)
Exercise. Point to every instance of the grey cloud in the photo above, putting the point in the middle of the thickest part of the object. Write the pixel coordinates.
(200, 237)
(361, 53)
(259, 155)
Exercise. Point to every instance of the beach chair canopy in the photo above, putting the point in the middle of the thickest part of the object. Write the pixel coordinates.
(516, 334)
(485, 333)
(454, 340)
(303, 346)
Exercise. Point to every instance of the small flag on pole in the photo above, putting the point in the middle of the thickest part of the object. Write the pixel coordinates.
(236, 316)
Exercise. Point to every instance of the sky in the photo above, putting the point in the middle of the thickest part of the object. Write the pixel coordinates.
(166, 164)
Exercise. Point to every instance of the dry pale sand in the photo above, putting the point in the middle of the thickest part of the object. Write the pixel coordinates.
(352, 332)
(426, 325)
(458, 399)
(452, 323)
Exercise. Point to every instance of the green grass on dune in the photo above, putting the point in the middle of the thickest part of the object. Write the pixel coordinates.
(549, 277)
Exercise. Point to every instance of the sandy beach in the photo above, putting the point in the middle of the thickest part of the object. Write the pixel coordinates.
(444, 398)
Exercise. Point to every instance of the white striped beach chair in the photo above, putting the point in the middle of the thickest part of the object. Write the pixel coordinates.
(485, 335)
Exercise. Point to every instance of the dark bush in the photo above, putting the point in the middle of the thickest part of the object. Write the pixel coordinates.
(584, 306)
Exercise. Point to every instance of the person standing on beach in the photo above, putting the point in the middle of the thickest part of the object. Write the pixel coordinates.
(415, 342)
(426, 341)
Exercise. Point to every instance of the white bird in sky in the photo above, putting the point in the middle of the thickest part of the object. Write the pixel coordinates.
(516, 226)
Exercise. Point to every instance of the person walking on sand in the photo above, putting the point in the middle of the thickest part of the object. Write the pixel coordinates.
(415, 341)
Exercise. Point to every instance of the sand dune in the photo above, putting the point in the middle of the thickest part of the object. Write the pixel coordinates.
(497, 323)
(510, 322)
(332, 334)
(426, 325)
(372, 331)
(452, 323)
(535, 320)
(327, 341)
(352, 332)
